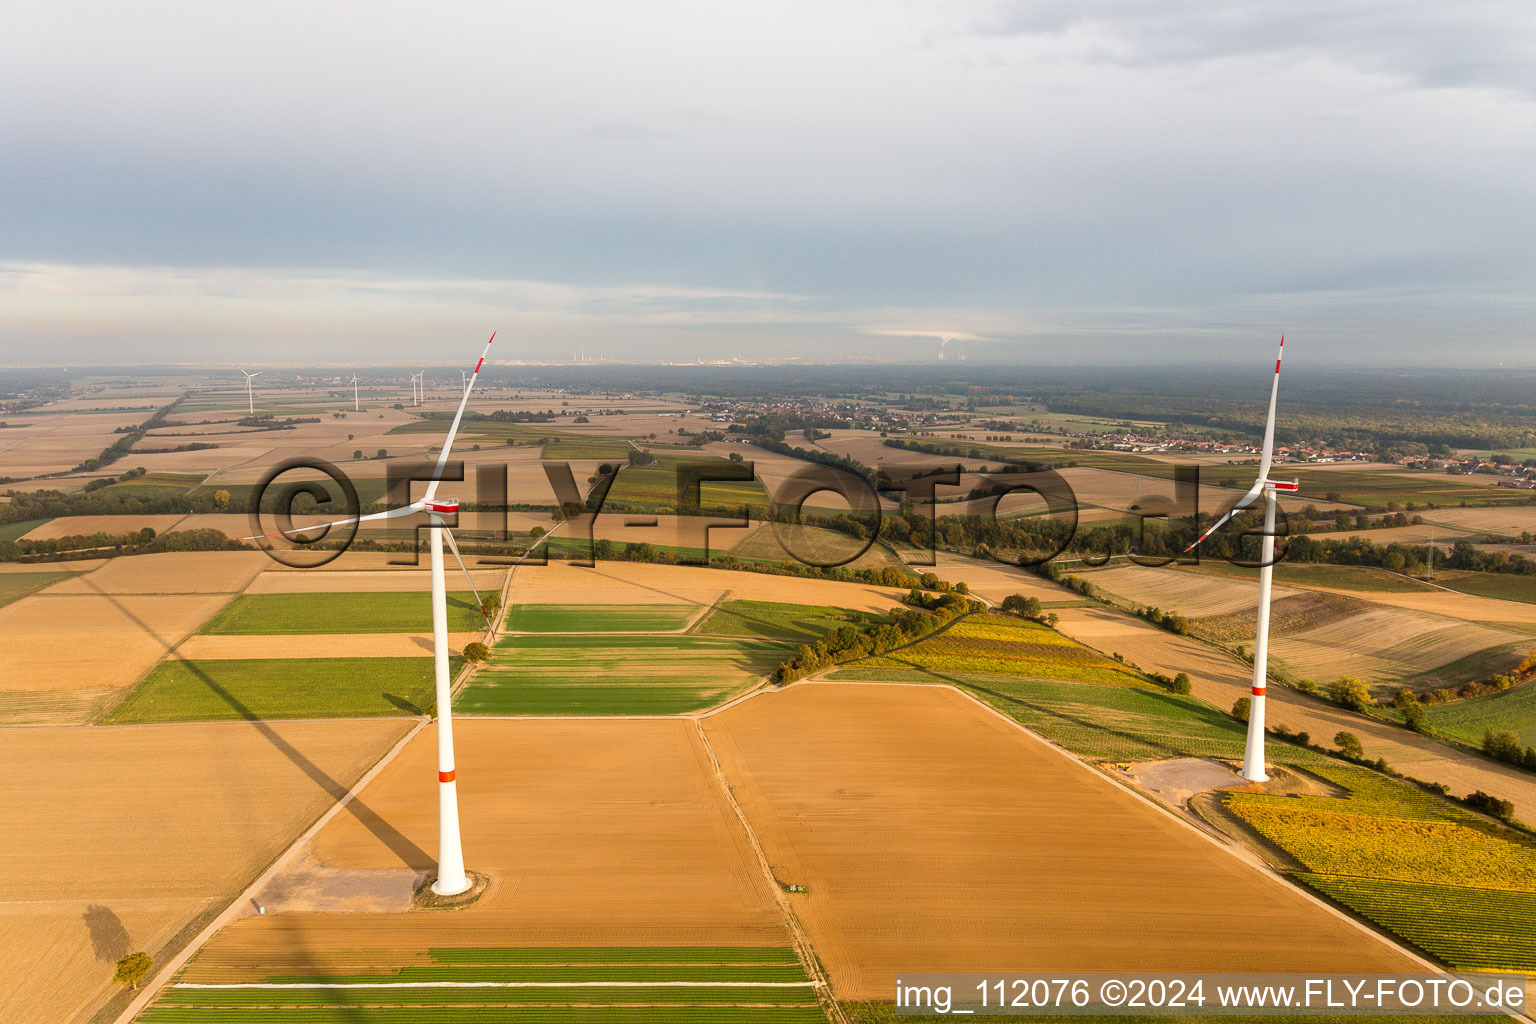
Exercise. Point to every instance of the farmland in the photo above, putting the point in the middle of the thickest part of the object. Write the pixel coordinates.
(654, 674)
(1500, 586)
(16, 585)
(379, 612)
(986, 812)
(1466, 720)
(165, 825)
(609, 985)
(1386, 843)
(613, 618)
(771, 620)
(616, 857)
(268, 688)
(586, 448)
(995, 644)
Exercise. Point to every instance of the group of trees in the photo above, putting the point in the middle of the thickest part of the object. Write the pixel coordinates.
(1505, 746)
(138, 542)
(848, 643)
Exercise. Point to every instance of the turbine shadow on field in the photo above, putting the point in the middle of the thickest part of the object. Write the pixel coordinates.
(411, 855)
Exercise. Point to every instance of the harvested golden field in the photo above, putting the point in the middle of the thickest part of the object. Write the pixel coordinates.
(1186, 593)
(36, 443)
(1469, 607)
(190, 572)
(995, 581)
(166, 824)
(69, 526)
(932, 832)
(582, 849)
(1386, 644)
(89, 641)
(319, 645)
(403, 579)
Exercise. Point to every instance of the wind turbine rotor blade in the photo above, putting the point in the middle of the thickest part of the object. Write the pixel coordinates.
(453, 429)
(453, 546)
(1269, 421)
(394, 513)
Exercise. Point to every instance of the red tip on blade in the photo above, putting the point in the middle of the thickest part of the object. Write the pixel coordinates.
(480, 364)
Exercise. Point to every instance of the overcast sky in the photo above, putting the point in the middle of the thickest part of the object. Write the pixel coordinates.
(1048, 181)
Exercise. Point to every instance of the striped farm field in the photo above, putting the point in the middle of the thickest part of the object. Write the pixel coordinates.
(253, 614)
(995, 644)
(1471, 929)
(1467, 720)
(596, 674)
(1384, 842)
(772, 620)
(1387, 644)
(612, 618)
(1503, 586)
(261, 688)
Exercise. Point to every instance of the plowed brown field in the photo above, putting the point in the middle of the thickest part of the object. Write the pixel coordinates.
(164, 825)
(935, 836)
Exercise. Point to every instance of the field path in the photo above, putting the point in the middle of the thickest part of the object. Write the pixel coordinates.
(1220, 679)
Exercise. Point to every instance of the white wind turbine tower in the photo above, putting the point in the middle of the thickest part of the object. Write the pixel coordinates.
(1253, 753)
(250, 399)
(355, 407)
(451, 878)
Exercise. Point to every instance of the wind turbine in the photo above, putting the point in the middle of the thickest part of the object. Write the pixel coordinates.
(355, 406)
(421, 383)
(1253, 752)
(250, 398)
(451, 878)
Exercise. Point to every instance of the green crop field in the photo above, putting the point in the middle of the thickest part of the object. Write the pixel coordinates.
(747, 985)
(655, 674)
(577, 547)
(381, 612)
(1386, 841)
(1505, 586)
(1375, 488)
(252, 688)
(1472, 929)
(492, 430)
(773, 621)
(995, 644)
(16, 585)
(598, 618)
(15, 531)
(655, 486)
(1467, 720)
(586, 448)
(1340, 577)
(1112, 723)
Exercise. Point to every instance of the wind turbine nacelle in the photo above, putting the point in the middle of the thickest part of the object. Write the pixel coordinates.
(443, 508)
(1283, 485)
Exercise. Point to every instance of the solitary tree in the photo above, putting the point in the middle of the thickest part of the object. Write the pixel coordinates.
(1349, 745)
(476, 652)
(357, 455)
(132, 969)
(1181, 683)
(1241, 707)
(383, 454)
(221, 498)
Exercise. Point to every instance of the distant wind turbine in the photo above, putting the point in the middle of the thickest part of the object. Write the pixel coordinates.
(451, 878)
(1253, 753)
(355, 406)
(250, 399)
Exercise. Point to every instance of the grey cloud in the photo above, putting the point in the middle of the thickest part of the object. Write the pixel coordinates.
(1483, 43)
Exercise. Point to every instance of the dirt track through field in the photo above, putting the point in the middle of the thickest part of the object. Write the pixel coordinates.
(933, 835)
(164, 824)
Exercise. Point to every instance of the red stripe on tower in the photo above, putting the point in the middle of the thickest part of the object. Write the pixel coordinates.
(445, 776)
(1258, 691)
